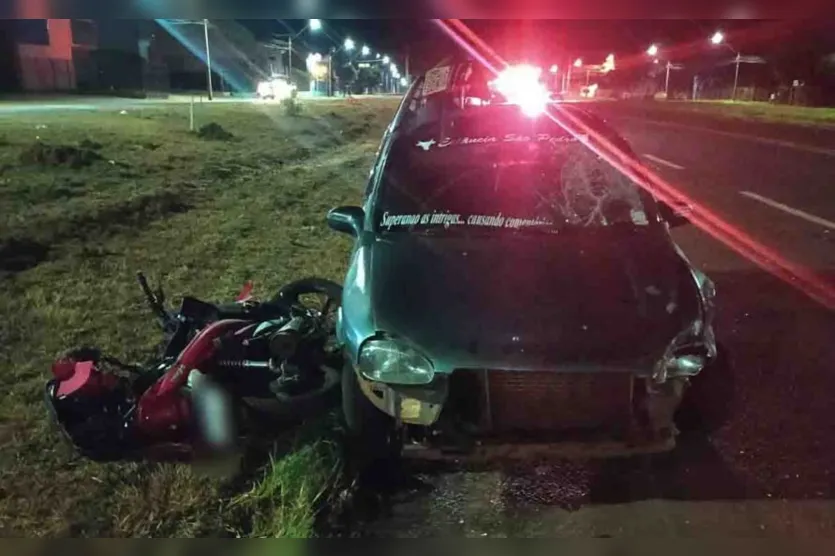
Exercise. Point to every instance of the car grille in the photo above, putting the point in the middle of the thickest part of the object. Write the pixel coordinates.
(535, 401)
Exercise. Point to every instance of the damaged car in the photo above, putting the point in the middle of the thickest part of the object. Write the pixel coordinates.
(511, 294)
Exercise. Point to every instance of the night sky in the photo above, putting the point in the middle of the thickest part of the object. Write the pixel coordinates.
(542, 39)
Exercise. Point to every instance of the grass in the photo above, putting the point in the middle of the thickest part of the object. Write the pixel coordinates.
(759, 111)
(201, 215)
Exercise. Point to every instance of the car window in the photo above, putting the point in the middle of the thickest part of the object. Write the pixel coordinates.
(488, 174)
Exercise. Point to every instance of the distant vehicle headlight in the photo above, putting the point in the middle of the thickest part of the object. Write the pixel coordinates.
(264, 89)
(394, 362)
(282, 89)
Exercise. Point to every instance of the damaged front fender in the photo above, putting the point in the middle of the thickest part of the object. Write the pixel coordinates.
(695, 347)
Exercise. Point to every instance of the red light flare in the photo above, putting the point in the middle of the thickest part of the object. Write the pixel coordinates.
(706, 220)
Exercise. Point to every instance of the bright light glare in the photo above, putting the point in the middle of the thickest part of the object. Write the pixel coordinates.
(349, 44)
(520, 85)
(717, 38)
(578, 63)
(366, 51)
(404, 81)
(653, 50)
(386, 59)
(555, 68)
(315, 24)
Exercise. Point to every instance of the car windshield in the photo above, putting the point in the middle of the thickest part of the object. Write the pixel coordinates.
(483, 176)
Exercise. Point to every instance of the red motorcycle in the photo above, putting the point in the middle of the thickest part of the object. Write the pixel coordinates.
(224, 372)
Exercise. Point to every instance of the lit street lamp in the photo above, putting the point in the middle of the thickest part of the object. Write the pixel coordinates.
(366, 50)
(653, 51)
(555, 68)
(313, 25)
(578, 63)
(719, 38)
(386, 59)
(349, 44)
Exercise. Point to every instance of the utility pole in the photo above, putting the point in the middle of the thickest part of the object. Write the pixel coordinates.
(736, 76)
(330, 73)
(208, 58)
(290, 59)
(667, 81)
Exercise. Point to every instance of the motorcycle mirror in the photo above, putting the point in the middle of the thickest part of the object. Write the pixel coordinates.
(348, 220)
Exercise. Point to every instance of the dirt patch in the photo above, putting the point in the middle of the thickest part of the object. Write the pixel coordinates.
(17, 255)
(41, 154)
(214, 132)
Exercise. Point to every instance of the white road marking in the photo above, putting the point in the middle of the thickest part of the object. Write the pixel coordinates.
(663, 162)
(755, 138)
(789, 210)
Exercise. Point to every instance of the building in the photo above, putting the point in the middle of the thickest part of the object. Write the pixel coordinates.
(53, 55)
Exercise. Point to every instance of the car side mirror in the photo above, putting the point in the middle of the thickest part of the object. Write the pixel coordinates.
(348, 220)
(676, 216)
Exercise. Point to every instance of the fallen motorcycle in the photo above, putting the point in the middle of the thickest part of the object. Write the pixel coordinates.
(224, 371)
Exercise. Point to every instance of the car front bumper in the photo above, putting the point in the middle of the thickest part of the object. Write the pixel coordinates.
(487, 415)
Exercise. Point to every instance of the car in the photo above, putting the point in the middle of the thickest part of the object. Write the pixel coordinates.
(276, 88)
(511, 294)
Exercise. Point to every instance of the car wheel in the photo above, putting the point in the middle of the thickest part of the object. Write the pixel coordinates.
(708, 402)
(371, 436)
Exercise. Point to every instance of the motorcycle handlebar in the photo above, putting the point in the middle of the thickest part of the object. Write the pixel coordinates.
(153, 300)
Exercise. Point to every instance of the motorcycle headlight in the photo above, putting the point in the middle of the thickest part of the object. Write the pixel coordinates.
(394, 362)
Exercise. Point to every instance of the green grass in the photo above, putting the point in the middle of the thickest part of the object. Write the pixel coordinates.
(199, 215)
(760, 111)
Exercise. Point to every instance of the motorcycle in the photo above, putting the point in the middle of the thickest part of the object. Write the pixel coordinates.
(223, 372)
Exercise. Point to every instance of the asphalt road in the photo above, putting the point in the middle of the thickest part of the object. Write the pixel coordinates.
(771, 470)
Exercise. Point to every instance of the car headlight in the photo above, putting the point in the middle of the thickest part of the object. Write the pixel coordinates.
(394, 362)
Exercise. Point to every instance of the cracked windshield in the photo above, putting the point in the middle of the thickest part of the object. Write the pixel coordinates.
(266, 278)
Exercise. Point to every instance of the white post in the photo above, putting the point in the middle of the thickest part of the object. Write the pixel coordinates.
(191, 114)
(667, 83)
(736, 77)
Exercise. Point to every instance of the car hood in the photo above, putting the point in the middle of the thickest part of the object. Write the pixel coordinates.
(590, 301)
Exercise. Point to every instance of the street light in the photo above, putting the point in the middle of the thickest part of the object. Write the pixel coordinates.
(578, 63)
(366, 50)
(349, 44)
(378, 56)
(719, 38)
(653, 51)
(555, 68)
(386, 59)
(205, 23)
(313, 25)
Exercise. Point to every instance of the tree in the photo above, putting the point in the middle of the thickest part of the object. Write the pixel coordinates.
(346, 76)
(369, 77)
